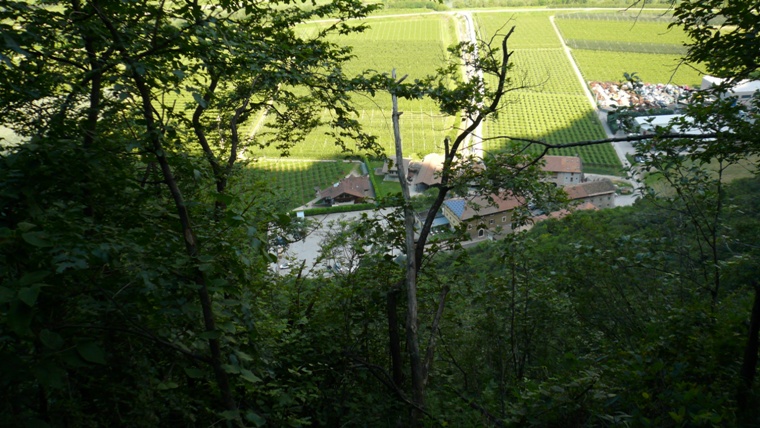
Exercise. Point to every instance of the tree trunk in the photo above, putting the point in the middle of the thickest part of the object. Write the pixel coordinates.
(154, 136)
(394, 339)
(412, 322)
(749, 364)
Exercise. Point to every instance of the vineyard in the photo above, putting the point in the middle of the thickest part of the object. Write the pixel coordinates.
(532, 30)
(551, 106)
(630, 31)
(295, 180)
(415, 46)
(549, 103)
(637, 16)
(605, 46)
(608, 66)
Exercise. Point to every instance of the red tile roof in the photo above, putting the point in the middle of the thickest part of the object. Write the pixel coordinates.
(590, 189)
(431, 164)
(563, 164)
(354, 186)
(467, 208)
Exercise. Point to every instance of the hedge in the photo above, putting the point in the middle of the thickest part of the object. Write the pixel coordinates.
(339, 209)
(371, 174)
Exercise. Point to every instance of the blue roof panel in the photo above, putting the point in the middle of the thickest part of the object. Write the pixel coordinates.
(456, 205)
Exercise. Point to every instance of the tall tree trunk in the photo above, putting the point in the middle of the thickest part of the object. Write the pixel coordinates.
(749, 364)
(420, 366)
(155, 137)
(412, 322)
(394, 338)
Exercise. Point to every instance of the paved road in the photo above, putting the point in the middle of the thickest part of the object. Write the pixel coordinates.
(308, 250)
(474, 142)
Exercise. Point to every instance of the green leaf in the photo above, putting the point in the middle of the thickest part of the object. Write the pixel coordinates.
(210, 334)
(223, 198)
(51, 339)
(255, 419)
(37, 239)
(48, 374)
(231, 414)
(25, 227)
(33, 277)
(91, 352)
(249, 376)
(229, 368)
(19, 318)
(193, 373)
(163, 386)
(6, 295)
(199, 99)
(29, 295)
(243, 356)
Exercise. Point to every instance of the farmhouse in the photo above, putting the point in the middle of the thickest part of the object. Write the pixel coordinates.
(482, 217)
(349, 190)
(564, 170)
(600, 193)
(429, 172)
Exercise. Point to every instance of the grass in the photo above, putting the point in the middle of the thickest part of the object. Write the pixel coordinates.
(383, 188)
(602, 170)
(743, 169)
(551, 105)
(532, 30)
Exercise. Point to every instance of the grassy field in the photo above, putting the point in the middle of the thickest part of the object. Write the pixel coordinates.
(532, 30)
(551, 105)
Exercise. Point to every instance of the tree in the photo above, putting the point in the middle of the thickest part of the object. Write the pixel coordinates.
(107, 193)
(509, 175)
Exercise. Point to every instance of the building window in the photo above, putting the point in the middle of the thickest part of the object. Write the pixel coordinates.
(490, 221)
(481, 233)
(504, 219)
(469, 227)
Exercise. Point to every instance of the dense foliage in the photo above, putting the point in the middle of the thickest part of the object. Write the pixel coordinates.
(602, 318)
(135, 260)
